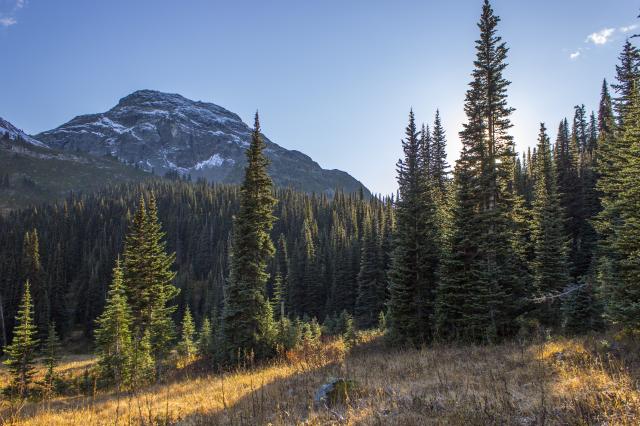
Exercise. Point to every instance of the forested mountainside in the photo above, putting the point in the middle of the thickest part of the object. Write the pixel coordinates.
(32, 173)
(319, 240)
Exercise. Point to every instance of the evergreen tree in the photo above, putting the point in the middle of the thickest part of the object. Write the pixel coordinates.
(371, 283)
(141, 365)
(610, 148)
(458, 314)
(113, 333)
(627, 74)
(137, 289)
(51, 355)
(205, 338)
(624, 293)
(149, 280)
(439, 165)
(486, 256)
(159, 274)
(550, 263)
(277, 302)
(245, 326)
(413, 278)
(21, 351)
(187, 347)
(33, 272)
(426, 152)
(581, 308)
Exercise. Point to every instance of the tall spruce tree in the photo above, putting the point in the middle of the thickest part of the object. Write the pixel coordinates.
(627, 74)
(413, 275)
(486, 193)
(160, 276)
(113, 333)
(439, 165)
(608, 167)
(460, 311)
(149, 280)
(21, 352)
(624, 293)
(32, 271)
(550, 263)
(245, 326)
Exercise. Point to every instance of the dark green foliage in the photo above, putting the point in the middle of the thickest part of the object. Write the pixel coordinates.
(623, 199)
(582, 308)
(187, 346)
(371, 278)
(149, 279)
(113, 334)
(21, 351)
(142, 365)
(205, 338)
(277, 301)
(413, 275)
(33, 272)
(438, 165)
(51, 354)
(482, 289)
(627, 74)
(81, 238)
(550, 260)
(245, 318)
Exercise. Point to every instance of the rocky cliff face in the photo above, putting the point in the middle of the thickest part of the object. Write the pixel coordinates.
(32, 173)
(9, 132)
(167, 132)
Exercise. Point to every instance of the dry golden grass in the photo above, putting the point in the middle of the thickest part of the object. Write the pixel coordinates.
(564, 381)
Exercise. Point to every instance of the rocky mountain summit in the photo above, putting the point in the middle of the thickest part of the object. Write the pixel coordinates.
(164, 132)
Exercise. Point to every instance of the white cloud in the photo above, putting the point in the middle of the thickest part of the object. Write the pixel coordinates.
(7, 22)
(629, 28)
(9, 17)
(574, 55)
(601, 37)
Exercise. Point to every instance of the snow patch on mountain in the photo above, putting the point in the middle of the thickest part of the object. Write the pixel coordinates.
(214, 161)
(13, 132)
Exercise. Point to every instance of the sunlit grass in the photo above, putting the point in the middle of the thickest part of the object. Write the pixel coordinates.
(563, 381)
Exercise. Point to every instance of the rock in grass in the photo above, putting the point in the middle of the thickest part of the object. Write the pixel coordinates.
(335, 391)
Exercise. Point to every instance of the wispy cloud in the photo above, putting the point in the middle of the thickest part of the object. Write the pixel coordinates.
(628, 28)
(8, 21)
(8, 15)
(573, 56)
(601, 37)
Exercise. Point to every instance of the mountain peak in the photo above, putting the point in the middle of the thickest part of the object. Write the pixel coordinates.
(167, 132)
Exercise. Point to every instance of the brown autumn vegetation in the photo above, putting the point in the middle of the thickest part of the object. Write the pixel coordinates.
(580, 381)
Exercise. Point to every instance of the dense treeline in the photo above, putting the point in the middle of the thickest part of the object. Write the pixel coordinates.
(67, 250)
(543, 242)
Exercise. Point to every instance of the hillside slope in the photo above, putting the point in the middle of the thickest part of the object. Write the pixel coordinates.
(31, 173)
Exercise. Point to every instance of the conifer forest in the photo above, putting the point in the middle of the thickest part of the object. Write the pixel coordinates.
(493, 287)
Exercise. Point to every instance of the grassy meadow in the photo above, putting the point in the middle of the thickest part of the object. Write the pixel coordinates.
(582, 381)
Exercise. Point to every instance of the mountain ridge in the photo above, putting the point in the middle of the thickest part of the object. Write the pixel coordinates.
(167, 132)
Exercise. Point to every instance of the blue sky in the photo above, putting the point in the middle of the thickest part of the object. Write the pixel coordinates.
(334, 79)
